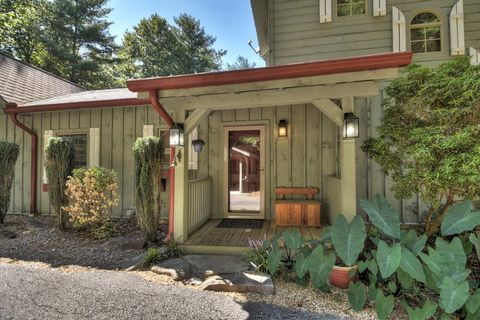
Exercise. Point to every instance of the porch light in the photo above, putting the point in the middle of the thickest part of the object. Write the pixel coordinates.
(198, 145)
(350, 126)
(176, 135)
(282, 129)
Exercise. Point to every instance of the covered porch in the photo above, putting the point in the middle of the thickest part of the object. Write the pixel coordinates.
(312, 98)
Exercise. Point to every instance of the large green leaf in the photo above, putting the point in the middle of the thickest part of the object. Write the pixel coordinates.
(459, 218)
(273, 261)
(411, 265)
(426, 312)
(292, 239)
(320, 267)
(357, 295)
(453, 295)
(388, 258)
(348, 238)
(301, 266)
(383, 305)
(383, 216)
(413, 242)
(476, 242)
(473, 302)
(404, 279)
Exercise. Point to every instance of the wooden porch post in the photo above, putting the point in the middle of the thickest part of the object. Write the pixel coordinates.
(348, 169)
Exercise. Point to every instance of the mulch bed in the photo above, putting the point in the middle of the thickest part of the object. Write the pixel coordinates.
(37, 239)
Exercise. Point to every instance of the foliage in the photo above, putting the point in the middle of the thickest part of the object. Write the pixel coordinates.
(159, 254)
(348, 238)
(152, 256)
(156, 48)
(428, 138)
(59, 154)
(8, 157)
(148, 156)
(92, 193)
(258, 254)
(240, 64)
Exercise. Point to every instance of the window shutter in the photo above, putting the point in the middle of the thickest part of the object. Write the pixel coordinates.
(192, 155)
(325, 11)
(474, 57)
(47, 134)
(94, 147)
(379, 8)
(457, 30)
(148, 130)
(399, 30)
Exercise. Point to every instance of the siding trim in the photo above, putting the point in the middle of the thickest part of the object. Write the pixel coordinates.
(325, 11)
(474, 57)
(399, 26)
(457, 30)
(379, 8)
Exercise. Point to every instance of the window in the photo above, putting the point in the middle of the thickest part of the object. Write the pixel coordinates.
(351, 7)
(426, 33)
(80, 149)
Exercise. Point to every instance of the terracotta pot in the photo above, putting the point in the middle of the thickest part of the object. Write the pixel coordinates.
(340, 276)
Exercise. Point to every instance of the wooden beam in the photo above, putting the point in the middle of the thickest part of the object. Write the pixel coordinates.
(348, 77)
(265, 98)
(194, 119)
(330, 109)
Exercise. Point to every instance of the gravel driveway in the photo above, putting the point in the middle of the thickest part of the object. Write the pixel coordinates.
(29, 292)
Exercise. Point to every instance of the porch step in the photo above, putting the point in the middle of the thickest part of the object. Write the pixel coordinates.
(209, 249)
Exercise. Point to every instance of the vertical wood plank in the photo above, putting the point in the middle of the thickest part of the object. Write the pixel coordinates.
(215, 164)
(106, 138)
(298, 147)
(313, 150)
(117, 155)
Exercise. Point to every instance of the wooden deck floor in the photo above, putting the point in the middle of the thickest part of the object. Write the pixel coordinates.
(210, 235)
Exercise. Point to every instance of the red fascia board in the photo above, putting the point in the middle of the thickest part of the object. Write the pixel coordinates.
(76, 105)
(363, 63)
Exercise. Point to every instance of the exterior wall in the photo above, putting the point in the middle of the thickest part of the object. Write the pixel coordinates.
(119, 127)
(305, 158)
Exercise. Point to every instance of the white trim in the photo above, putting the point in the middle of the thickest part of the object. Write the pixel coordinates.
(47, 134)
(192, 154)
(148, 130)
(457, 30)
(399, 26)
(94, 147)
(379, 8)
(325, 11)
(474, 57)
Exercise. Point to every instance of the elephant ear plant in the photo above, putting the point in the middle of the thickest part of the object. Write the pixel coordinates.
(399, 265)
(8, 157)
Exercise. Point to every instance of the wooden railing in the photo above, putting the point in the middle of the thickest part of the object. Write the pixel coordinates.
(199, 203)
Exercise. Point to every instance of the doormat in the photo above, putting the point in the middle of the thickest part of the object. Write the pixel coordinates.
(241, 223)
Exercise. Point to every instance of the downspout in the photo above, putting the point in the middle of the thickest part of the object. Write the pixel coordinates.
(166, 117)
(33, 169)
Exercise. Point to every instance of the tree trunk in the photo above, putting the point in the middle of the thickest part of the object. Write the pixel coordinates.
(433, 226)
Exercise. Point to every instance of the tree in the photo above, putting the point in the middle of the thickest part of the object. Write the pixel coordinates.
(241, 63)
(21, 29)
(156, 48)
(78, 41)
(429, 137)
(8, 157)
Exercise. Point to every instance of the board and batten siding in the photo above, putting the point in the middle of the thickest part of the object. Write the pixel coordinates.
(119, 127)
(303, 159)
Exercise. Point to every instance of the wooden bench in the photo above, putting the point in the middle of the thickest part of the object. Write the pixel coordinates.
(295, 213)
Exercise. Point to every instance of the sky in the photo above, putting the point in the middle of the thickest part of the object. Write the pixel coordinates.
(231, 21)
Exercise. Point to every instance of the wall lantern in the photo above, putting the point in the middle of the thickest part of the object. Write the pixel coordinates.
(176, 135)
(282, 129)
(350, 126)
(198, 145)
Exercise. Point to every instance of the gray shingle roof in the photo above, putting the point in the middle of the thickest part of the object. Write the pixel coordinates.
(21, 83)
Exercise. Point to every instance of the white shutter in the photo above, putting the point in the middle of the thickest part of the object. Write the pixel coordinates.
(325, 11)
(47, 134)
(148, 130)
(457, 30)
(399, 30)
(94, 147)
(474, 57)
(192, 154)
(379, 8)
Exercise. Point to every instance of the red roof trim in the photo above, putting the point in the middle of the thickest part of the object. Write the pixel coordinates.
(363, 63)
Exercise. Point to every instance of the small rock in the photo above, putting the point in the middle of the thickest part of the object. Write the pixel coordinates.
(135, 263)
(208, 265)
(177, 268)
(239, 282)
(194, 281)
(130, 242)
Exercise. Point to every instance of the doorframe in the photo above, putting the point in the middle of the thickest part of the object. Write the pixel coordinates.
(262, 127)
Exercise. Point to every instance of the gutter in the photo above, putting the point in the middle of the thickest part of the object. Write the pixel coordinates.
(12, 110)
(166, 117)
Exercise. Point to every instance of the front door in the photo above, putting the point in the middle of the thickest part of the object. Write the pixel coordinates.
(244, 171)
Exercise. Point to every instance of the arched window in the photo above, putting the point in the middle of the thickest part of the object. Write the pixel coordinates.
(426, 33)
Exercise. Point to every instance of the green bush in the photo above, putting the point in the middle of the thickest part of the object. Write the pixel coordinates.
(8, 157)
(148, 157)
(59, 155)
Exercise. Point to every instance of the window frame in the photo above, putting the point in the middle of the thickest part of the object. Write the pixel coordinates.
(58, 133)
(439, 24)
(367, 6)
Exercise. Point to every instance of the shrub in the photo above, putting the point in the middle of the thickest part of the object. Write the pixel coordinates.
(92, 193)
(8, 157)
(148, 156)
(59, 155)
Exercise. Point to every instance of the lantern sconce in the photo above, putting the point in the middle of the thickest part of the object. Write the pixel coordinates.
(282, 129)
(198, 145)
(350, 126)
(176, 135)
